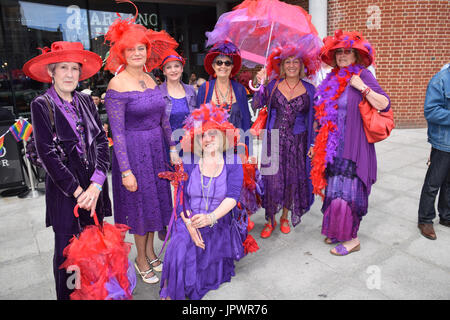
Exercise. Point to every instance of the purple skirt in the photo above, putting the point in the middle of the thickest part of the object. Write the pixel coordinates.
(345, 203)
(189, 271)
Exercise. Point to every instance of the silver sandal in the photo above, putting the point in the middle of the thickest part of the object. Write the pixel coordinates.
(144, 274)
(159, 267)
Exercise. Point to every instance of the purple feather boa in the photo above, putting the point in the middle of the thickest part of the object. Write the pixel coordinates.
(325, 92)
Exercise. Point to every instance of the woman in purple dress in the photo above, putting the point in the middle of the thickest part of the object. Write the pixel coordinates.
(200, 255)
(344, 161)
(141, 134)
(290, 117)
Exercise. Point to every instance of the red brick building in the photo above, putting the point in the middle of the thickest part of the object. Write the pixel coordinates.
(412, 43)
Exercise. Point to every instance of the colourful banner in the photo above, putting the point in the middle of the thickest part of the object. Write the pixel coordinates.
(26, 131)
(15, 130)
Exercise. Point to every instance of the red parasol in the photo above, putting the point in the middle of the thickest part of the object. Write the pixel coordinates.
(100, 255)
(258, 26)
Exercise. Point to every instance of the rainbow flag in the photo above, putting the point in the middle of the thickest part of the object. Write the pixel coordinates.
(26, 131)
(15, 130)
(2, 140)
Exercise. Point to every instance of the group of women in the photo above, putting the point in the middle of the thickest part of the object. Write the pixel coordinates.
(199, 257)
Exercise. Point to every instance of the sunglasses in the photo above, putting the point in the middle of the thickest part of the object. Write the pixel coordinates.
(344, 51)
(226, 63)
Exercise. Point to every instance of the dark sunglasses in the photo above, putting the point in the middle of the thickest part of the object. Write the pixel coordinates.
(226, 63)
(344, 51)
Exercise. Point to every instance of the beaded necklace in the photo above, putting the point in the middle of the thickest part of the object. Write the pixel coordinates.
(208, 185)
(224, 97)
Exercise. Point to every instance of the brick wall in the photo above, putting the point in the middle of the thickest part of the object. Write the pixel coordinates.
(412, 41)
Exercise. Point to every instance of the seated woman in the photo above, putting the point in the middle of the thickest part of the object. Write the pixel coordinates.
(200, 256)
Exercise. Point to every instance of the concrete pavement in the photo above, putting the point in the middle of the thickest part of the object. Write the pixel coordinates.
(395, 261)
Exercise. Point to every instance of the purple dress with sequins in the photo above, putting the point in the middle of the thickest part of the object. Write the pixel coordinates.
(288, 187)
(346, 197)
(141, 133)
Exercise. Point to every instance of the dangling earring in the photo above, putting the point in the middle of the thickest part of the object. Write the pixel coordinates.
(118, 69)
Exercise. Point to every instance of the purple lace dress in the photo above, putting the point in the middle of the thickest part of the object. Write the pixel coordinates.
(288, 186)
(141, 133)
(346, 197)
(189, 271)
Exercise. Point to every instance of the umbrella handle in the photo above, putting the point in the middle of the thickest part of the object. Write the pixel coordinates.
(75, 212)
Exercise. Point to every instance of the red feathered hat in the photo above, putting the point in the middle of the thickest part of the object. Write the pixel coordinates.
(344, 39)
(125, 33)
(62, 51)
(208, 117)
(223, 48)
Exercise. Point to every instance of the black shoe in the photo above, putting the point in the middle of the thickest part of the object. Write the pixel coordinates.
(444, 222)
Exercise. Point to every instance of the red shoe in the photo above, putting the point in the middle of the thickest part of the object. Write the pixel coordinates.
(284, 225)
(250, 225)
(267, 230)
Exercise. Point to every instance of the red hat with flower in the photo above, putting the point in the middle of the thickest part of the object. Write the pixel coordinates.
(223, 48)
(306, 48)
(344, 39)
(125, 33)
(62, 51)
(208, 117)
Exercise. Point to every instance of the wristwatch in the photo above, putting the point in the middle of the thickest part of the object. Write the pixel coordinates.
(124, 175)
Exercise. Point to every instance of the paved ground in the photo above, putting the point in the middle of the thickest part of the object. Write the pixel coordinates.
(395, 261)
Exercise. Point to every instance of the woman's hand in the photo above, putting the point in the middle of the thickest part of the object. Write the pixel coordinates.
(311, 152)
(174, 158)
(357, 83)
(261, 76)
(201, 220)
(130, 183)
(88, 199)
(193, 232)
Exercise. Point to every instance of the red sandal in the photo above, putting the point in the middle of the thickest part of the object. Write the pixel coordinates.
(267, 230)
(284, 225)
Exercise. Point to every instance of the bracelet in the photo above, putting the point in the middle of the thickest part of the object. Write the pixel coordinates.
(365, 92)
(76, 198)
(188, 222)
(99, 187)
(124, 175)
(212, 216)
(173, 150)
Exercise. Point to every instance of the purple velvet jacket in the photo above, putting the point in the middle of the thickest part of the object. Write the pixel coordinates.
(64, 176)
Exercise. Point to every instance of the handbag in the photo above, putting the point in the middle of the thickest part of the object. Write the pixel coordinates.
(377, 125)
(261, 120)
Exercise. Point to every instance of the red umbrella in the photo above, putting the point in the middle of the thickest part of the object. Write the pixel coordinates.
(100, 255)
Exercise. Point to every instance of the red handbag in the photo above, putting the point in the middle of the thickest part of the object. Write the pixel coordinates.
(377, 125)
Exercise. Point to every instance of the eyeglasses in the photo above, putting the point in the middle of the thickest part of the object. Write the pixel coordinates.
(226, 63)
(344, 51)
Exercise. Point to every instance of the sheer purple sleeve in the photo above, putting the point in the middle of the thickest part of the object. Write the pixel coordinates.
(167, 130)
(116, 105)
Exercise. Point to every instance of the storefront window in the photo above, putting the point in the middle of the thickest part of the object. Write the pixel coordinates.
(29, 25)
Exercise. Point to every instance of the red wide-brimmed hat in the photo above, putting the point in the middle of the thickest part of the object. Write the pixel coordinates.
(208, 117)
(223, 48)
(62, 51)
(344, 39)
(172, 55)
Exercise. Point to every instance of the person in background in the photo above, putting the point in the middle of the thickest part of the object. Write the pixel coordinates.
(437, 179)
